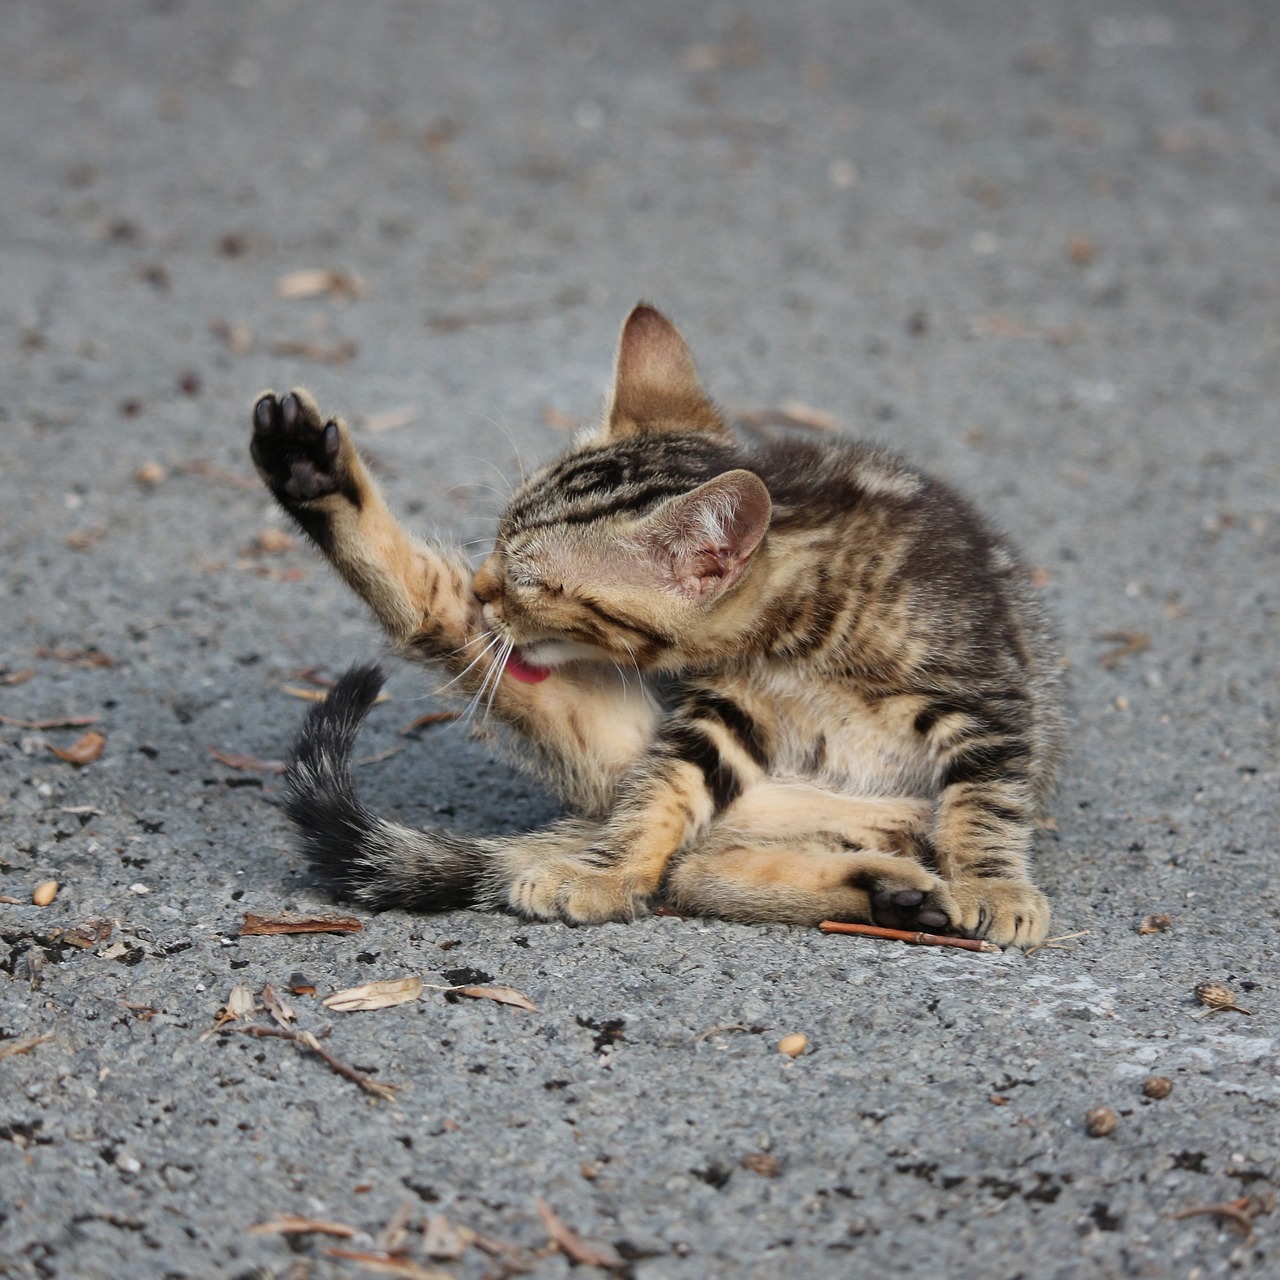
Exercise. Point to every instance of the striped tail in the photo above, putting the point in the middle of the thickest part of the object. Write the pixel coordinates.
(357, 854)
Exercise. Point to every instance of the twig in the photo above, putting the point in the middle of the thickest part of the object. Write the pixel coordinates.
(572, 1245)
(1127, 643)
(306, 1040)
(1242, 1212)
(54, 722)
(718, 1031)
(15, 1047)
(906, 935)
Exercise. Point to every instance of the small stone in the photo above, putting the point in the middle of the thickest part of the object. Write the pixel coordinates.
(1157, 1086)
(151, 474)
(1099, 1122)
(793, 1045)
(45, 893)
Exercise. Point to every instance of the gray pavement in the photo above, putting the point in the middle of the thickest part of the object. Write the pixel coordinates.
(1033, 246)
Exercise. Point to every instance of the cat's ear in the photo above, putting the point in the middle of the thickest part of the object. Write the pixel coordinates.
(655, 384)
(708, 536)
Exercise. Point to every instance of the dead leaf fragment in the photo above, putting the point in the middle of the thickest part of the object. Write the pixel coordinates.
(287, 923)
(83, 751)
(271, 542)
(15, 1047)
(572, 1245)
(502, 995)
(375, 995)
(11, 678)
(445, 1240)
(88, 934)
(322, 353)
(54, 722)
(290, 1224)
(318, 282)
(761, 1162)
(246, 764)
(1154, 924)
(91, 657)
(240, 1003)
(1126, 643)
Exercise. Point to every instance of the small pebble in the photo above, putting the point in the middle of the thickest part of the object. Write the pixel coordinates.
(794, 1045)
(151, 474)
(45, 893)
(1157, 1086)
(1100, 1121)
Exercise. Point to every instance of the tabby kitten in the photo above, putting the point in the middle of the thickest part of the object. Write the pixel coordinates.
(781, 682)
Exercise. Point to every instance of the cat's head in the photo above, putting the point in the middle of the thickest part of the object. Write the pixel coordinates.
(630, 547)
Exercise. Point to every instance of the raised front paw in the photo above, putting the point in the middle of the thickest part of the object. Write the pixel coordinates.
(301, 457)
(1011, 913)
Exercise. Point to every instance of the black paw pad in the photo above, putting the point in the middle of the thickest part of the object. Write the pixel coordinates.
(895, 907)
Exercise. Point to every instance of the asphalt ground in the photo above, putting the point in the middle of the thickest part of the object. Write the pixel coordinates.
(1032, 246)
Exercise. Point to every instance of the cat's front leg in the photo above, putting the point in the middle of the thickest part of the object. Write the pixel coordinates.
(417, 592)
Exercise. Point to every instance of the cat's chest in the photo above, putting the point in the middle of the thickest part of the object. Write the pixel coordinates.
(840, 739)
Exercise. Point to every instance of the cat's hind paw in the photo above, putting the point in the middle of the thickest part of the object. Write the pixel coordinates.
(576, 896)
(301, 456)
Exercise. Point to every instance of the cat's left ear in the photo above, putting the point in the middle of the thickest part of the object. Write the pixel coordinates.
(655, 385)
(708, 536)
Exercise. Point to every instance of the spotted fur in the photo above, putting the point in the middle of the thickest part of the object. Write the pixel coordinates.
(780, 681)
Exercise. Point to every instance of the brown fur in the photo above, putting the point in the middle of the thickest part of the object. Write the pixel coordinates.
(856, 716)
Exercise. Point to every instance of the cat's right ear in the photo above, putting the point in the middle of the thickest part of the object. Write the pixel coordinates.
(655, 385)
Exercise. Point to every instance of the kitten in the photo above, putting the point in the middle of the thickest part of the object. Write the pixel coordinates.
(781, 682)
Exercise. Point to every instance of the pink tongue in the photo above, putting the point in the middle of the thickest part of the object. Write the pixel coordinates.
(525, 672)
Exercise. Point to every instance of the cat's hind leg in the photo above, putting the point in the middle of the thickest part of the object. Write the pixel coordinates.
(794, 853)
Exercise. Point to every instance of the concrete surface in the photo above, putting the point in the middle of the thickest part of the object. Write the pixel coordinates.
(1034, 246)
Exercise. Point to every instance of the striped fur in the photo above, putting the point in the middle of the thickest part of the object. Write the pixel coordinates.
(783, 681)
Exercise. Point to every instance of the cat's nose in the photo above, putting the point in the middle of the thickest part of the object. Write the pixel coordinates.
(487, 584)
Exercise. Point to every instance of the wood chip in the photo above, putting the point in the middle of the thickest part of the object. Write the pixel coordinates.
(246, 764)
(290, 1224)
(11, 1048)
(375, 995)
(285, 922)
(573, 1246)
(319, 282)
(502, 995)
(83, 751)
(53, 722)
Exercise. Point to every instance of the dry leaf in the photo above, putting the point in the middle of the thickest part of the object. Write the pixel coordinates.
(761, 1162)
(54, 722)
(286, 923)
(240, 1003)
(11, 678)
(246, 764)
(375, 995)
(573, 1246)
(388, 1264)
(93, 658)
(390, 419)
(83, 751)
(88, 934)
(290, 1224)
(444, 1240)
(1155, 924)
(432, 717)
(502, 995)
(316, 282)
(15, 1047)
(271, 542)
(277, 1006)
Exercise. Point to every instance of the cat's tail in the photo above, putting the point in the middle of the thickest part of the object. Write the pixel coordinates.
(359, 855)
